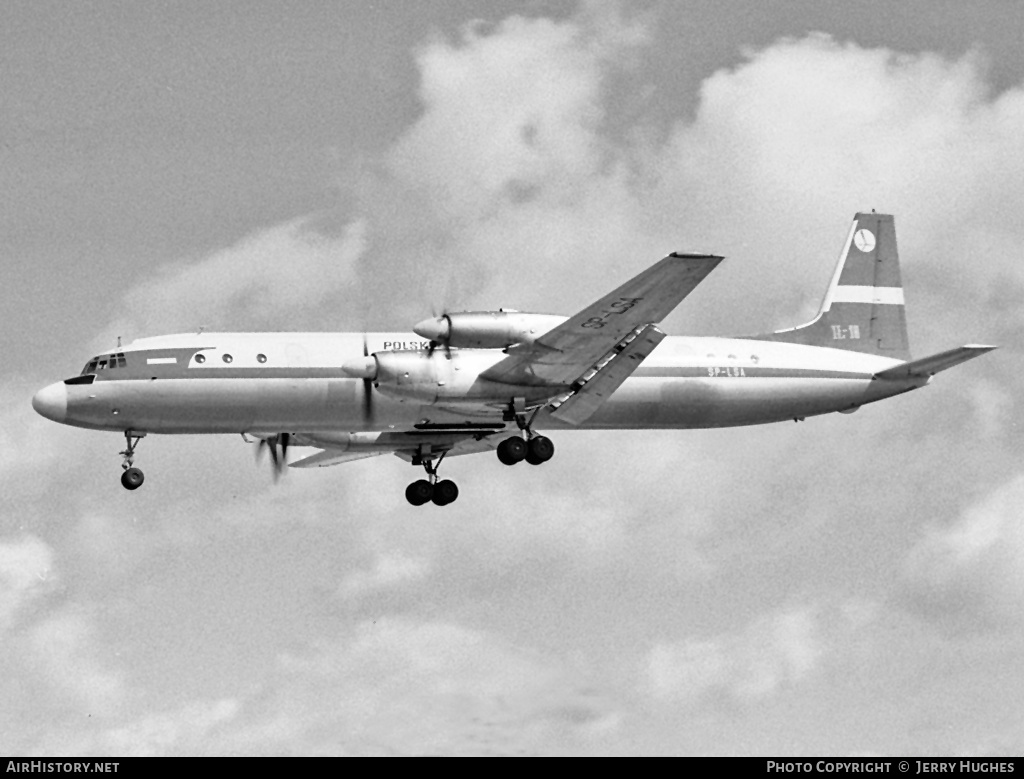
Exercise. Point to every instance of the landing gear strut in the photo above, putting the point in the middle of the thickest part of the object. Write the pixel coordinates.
(430, 489)
(535, 449)
(132, 477)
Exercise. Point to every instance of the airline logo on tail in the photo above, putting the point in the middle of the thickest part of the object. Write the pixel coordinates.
(863, 309)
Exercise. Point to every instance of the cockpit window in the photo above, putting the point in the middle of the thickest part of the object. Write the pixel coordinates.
(105, 362)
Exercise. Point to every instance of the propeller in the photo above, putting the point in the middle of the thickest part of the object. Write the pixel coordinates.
(367, 386)
(365, 369)
(438, 330)
(271, 443)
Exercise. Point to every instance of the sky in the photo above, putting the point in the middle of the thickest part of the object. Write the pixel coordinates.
(849, 585)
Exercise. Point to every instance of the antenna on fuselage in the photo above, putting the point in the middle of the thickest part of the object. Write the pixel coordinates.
(119, 342)
(200, 330)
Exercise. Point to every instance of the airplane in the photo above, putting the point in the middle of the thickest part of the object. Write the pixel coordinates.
(473, 381)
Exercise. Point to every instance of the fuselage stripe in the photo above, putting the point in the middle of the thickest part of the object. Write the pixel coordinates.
(666, 372)
(892, 296)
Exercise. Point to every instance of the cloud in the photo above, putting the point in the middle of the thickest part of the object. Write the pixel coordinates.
(179, 732)
(390, 569)
(971, 574)
(993, 408)
(268, 279)
(771, 652)
(788, 144)
(512, 114)
(26, 572)
(64, 650)
(413, 686)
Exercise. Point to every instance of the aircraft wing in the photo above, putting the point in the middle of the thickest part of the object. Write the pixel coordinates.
(564, 353)
(595, 386)
(405, 445)
(326, 457)
(468, 445)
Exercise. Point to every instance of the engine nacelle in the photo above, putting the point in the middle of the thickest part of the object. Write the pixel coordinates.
(411, 374)
(486, 329)
(432, 376)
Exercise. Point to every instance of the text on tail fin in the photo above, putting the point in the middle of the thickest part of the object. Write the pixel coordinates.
(863, 309)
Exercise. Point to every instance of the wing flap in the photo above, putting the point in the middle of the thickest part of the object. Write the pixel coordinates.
(326, 457)
(565, 352)
(468, 445)
(597, 385)
(929, 366)
(407, 445)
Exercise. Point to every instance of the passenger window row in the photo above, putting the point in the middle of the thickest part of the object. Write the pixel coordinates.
(201, 358)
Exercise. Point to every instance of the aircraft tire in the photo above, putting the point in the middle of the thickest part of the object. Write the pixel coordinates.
(445, 492)
(539, 450)
(512, 450)
(132, 479)
(419, 492)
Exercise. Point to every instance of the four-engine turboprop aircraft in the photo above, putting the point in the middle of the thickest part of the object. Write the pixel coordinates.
(472, 381)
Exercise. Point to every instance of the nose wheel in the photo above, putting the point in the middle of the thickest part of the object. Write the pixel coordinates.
(430, 490)
(132, 477)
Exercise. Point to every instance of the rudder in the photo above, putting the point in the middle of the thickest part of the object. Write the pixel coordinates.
(863, 309)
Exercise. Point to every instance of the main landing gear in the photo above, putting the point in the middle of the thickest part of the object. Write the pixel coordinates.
(132, 477)
(535, 449)
(441, 493)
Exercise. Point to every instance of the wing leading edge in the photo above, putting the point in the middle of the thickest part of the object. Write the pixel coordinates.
(565, 353)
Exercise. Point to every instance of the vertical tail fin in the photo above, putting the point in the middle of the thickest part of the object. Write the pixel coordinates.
(863, 310)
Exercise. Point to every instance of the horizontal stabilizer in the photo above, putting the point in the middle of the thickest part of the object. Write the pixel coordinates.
(929, 366)
(596, 385)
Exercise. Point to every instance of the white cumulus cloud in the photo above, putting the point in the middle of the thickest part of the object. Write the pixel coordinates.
(771, 652)
(972, 572)
(26, 571)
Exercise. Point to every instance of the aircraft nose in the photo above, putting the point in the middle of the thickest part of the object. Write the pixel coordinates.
(52, 402)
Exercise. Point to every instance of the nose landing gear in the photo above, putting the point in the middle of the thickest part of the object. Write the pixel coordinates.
(441, 493)
(132, 477)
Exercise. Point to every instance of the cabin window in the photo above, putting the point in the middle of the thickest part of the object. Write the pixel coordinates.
(200, 358)
(227, 358)
(261, 358)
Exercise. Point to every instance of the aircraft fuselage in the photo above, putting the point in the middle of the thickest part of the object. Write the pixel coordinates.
(263, 383)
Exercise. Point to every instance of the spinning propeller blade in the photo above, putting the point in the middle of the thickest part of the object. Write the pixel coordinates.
(278, 461)
(367, 387)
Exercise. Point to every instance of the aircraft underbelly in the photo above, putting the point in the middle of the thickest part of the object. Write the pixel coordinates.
(724, 402)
